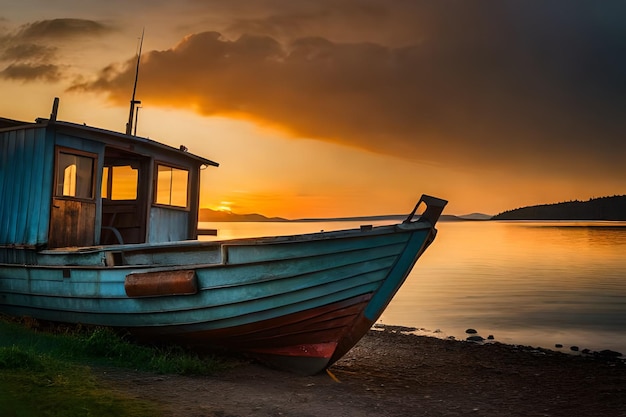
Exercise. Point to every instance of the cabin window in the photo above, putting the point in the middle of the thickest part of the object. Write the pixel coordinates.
(75, 175)
(104, 191)
(119, 182)
(171, 186)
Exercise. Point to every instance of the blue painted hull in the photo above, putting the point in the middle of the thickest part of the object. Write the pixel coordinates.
(298, 302)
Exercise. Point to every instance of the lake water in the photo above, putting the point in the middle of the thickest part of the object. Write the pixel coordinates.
(530, 283)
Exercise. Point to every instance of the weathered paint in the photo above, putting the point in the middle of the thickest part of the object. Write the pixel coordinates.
(26, 159)
(168, 225)
(161, 283)
(397, 275)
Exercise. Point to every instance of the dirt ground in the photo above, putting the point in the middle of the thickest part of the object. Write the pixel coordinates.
(393, 374)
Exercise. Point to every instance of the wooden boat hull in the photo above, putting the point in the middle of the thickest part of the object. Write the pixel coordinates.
(298, 303)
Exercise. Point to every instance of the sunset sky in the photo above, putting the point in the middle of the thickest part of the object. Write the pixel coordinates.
(325, 108)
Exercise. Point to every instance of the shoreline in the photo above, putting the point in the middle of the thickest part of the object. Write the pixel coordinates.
(389, 373)
(474, 336)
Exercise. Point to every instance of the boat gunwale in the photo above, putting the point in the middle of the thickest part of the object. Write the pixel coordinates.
(223, 245)
(249, 241)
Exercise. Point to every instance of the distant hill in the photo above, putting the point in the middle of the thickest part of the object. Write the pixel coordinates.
(390, 217)
(397, 217)
(603, 208)
(208, 215)
(476, 216)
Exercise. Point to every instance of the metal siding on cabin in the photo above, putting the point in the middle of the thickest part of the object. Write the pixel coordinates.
(9, 191)
(23, 223)
(6, 171)
(3, 173)
(25, 186)
(3, 164)
(167, 225)
(40, 204)
(82, 144)
(9, 196)
(46, 195)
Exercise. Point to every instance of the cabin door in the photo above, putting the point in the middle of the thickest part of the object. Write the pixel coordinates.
(73, 212)
(125, 188)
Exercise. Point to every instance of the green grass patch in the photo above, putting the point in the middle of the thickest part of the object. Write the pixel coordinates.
(106, 346)
(44, 373)
(103, 346)
(35, 384)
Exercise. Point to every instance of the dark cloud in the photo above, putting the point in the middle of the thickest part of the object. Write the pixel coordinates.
(25, 52)
(534, 86)
(29, 62)
(60, 29)
(28, 72)
(320, 19)
(29, 55)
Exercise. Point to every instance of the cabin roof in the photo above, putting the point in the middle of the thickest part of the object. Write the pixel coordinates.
(9, 124)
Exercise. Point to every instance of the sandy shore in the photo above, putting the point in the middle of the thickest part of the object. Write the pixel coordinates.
(393, 374)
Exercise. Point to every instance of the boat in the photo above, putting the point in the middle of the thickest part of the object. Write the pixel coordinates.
(101, 228)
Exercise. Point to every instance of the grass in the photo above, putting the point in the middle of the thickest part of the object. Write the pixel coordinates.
(33, 384)
(51, 373)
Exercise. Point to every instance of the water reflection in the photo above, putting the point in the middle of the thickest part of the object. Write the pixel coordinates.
(530, 283)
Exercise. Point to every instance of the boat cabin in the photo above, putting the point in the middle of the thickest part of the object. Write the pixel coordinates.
(67, 185)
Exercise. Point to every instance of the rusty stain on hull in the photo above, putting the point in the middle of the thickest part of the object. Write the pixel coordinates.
(162, 283)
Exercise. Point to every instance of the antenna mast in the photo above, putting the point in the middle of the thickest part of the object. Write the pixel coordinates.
(133, 102)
